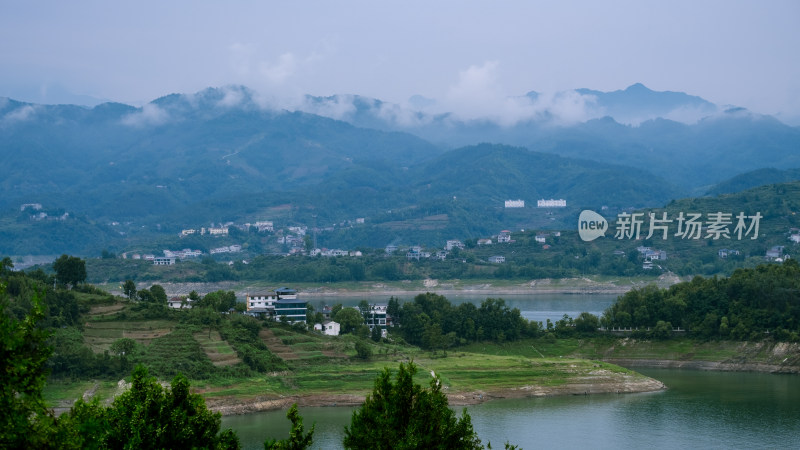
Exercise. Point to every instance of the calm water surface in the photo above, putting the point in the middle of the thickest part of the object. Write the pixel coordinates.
(699, 410)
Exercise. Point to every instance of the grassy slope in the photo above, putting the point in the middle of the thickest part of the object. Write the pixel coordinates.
(321, 365)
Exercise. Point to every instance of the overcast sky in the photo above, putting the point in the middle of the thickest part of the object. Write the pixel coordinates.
(744, 53)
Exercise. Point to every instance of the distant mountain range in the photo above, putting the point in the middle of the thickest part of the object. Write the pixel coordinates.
(222, 154)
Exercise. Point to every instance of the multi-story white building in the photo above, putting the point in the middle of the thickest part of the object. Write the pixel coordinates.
(552, 203)
(515, 203)
(453, 243)
(163, 261)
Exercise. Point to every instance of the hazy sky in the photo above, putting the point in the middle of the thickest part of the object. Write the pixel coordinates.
(462, 53)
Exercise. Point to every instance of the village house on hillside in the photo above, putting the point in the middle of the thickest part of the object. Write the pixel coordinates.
(282, 302)
(180, 303)
(328, 328)
(453, 243)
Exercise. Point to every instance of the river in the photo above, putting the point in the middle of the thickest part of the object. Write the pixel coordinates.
(698, 410)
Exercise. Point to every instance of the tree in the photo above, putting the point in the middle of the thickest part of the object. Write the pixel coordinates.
(403, 415)
(6, 265)
(393, 309)
(363, 307)
(129, 288)
(25, 420)
(219, 300)
(376, 333)
(145, 296)
(587, 323)
(123, 348)
(70, 270)
(159, 294)
(349, 319)
(149, 416)
(297, 440)
(363, 350)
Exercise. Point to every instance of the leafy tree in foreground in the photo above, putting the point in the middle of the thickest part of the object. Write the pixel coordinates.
(297, 439)
(403, 415)
(25, 421)
(149, 416)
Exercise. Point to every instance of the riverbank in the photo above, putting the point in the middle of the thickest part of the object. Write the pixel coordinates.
(600, 381)
(478, 372)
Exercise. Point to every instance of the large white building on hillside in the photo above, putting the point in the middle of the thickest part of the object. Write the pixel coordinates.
(552, 203)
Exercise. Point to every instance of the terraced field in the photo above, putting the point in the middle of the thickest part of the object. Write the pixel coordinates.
(217, 349)
(100, 335)
(275, 345)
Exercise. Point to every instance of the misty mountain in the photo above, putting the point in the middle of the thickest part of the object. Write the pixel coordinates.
(176, 150)
(685, 139)
(637, 104)
(754, 178)
(225, 155)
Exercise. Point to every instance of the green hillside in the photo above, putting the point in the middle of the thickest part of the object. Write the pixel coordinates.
(754, 178)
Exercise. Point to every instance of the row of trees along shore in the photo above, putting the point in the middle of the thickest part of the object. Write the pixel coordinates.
(751, 304)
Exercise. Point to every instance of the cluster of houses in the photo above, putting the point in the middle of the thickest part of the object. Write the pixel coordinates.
(334, 252)
(235, 248)
(223, 229)
(283, 304)
(504, 237)
(38, 214)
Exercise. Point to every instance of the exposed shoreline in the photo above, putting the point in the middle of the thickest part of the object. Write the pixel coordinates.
(627, 384)
(455, 287)
(717, 366)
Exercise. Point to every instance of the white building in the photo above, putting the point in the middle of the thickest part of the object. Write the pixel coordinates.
(504, 236)
(377, 316)
(261, 303)
(328, 328)
(163, 261)
(497, 259)
(552, 203)
(453, 243)
(515, 203)
(180, 303)
(264, 225)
